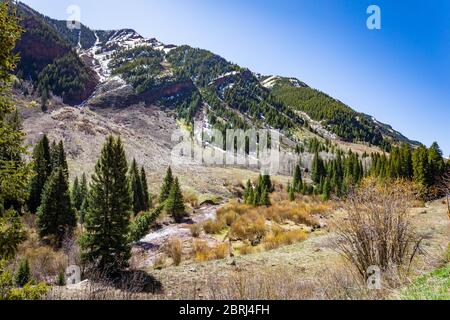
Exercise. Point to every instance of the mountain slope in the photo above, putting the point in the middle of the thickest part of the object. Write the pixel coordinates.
(131, 69)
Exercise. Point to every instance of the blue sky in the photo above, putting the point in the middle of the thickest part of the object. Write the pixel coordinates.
(399, 74)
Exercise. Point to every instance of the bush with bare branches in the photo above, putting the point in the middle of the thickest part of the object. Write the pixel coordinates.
(377, 230)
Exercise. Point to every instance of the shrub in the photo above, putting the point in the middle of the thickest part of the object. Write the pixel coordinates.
(203, 252)
(250, 226)
(23, 273)
(283, 238)
(45, 262)
(175, 250)
(61, 279)
(214, 226)
(378, 230)
(221, 251)
(247, 249)
(196, 230)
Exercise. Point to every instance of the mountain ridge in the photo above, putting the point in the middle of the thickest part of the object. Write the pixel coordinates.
(130, 69)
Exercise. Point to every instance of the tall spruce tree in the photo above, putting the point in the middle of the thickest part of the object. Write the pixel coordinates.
(175, 203)
(56, 216)
(76, 194)
(298, 182)
(137, 190)
(60, 160)
(291, 192)
(318, 168)
(42, 165)
(105, 240)
(265, 199)
(166, 186)
(146, 194)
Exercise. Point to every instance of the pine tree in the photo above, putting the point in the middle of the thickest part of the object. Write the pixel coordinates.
(265, 199)
(105, 241)
(166, 186)
(23, 273)
(137, 190)
(42, 163)
(291, 191)
(76, 194)
(420, 167)
(146, 194)
(175, 203)
(326, 190)
(247, 190)
(56, 216)
(267, 183)
(318, 168)
(60, 160)
(298, 182)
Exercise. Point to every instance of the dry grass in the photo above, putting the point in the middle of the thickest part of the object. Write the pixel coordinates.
(249, 226)
(202, 252)
(247, 249)
(196, 230)
(214, 226)
(174, 250)
(286, 283)
(283, 238)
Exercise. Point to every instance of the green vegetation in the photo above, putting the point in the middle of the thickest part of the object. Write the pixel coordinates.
(434, 286)
(259, 194)
(66, 77)
(424, 166)
(175, 203)
(56, 216)
(199, 65)
(14, 174)
(104, 243)
(342, 120)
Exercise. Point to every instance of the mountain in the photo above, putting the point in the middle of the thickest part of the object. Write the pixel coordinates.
(120, 68)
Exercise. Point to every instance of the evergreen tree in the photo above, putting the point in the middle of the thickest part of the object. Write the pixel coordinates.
(147, 201)
(265, 199)
(420, 167)
(326, 190)
(105, 242)
(166, 186)
(247, 191)
(56, 216)
(42, 165)
(23, 273)
(291, 192)
(77, 199)
(267, 183)
(60, 160)
(137, 190)
(175, 203)
(298, 182)
(318, 168)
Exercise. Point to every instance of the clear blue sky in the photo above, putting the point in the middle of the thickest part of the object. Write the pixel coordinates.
(399, 74)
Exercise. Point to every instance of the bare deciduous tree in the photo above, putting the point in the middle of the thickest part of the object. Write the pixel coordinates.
(378, 230)
(445, 189)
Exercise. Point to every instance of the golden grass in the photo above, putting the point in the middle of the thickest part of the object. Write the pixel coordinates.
(196, 230)
(214, 226)
(174, 250)
(202, 252)
(249, 226)
(283, 238)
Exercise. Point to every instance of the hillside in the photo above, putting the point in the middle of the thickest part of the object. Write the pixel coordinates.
(130, 70)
